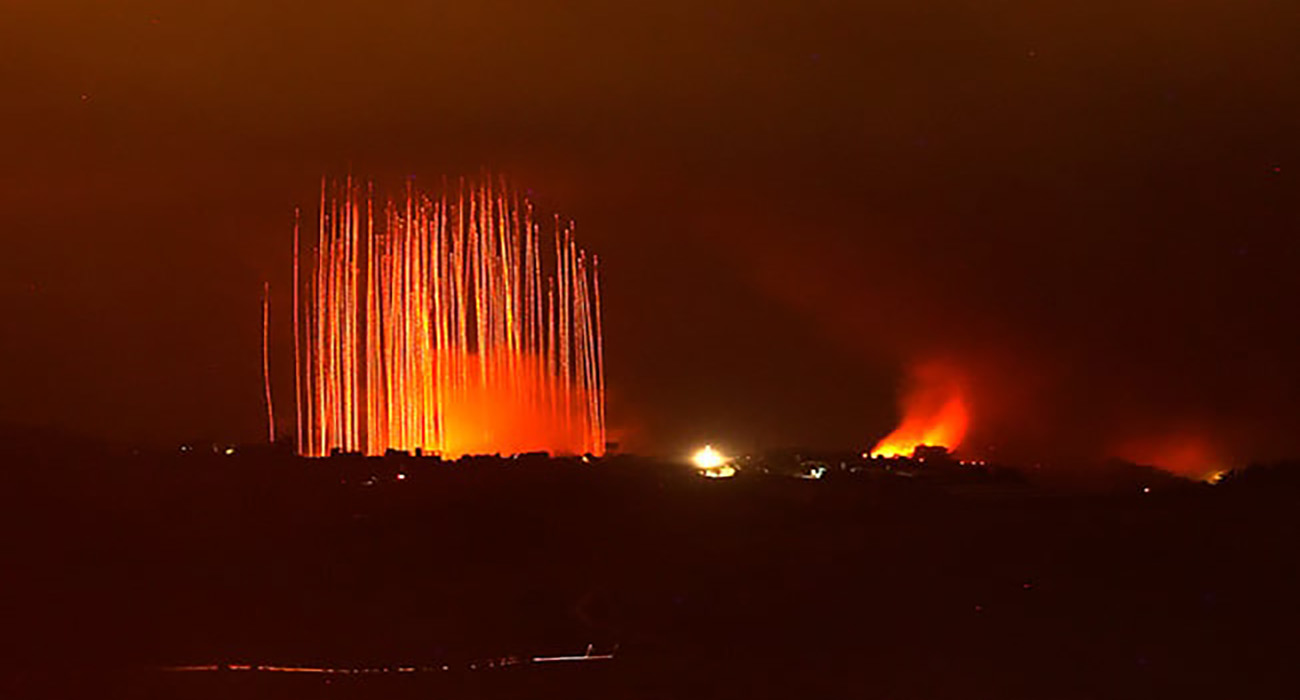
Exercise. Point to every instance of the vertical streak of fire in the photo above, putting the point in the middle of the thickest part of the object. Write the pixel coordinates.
(319, 308)
(372, 410)
(600, 355)
(266, 360)
(334, 370)
(297, 349)
(552, 366)
(345, 342)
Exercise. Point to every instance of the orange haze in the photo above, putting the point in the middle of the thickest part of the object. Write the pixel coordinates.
(1186, 454)
(934, 413)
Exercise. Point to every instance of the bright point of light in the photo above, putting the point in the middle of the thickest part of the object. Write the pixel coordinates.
(723, 472)
(230, 450)
(708, 458)
(401, 477)
(1146, 489)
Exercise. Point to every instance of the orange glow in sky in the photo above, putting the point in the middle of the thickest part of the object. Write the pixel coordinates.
(1189, 455)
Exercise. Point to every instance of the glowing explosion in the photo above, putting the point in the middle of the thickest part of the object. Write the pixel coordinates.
(934, 414)
(712, 463)
(433, 324)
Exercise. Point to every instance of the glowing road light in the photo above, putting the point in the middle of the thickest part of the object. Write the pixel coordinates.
(401, 477)
(708, 458)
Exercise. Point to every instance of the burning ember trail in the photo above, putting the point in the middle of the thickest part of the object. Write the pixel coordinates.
(431, 322)
(266, 360)
(934, 414)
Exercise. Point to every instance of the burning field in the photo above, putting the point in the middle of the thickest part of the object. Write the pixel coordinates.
(934, 413)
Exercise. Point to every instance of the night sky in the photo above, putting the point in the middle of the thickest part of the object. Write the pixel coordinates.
(1090, 209)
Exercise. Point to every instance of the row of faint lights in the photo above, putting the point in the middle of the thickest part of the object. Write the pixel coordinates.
(216, 450)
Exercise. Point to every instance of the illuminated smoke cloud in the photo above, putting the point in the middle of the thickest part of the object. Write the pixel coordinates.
(934, 413)
(445, 322)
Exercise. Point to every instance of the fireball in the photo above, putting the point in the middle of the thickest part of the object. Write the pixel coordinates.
(708, 458)
(712, 464)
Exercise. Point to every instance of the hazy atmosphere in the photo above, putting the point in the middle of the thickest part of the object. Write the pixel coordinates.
(1087, 210)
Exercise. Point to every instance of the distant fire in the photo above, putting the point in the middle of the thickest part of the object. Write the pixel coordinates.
(934, 411)
(444, 322)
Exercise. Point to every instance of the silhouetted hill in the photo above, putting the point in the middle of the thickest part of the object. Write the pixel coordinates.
(762, 585)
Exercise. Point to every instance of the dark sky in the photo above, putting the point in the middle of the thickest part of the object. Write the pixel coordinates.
(1090, 208)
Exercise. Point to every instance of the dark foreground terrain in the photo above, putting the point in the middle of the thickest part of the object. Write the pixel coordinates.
(862, 586)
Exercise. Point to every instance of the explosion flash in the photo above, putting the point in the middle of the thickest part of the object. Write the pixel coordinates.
(712, 463)
(934, 414)
(432, 323)
(708, 458)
